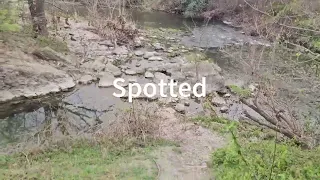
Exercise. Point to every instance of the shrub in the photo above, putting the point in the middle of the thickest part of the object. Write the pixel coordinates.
(193, 7)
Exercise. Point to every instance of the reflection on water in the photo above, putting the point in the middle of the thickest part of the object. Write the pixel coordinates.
(16, 126)
(84, 108)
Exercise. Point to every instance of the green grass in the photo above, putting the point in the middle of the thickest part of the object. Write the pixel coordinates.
(84, 161)
(244, 93)
(253, 154)
(257, 161)
(216, 124)
(9, 18)
(26, 41)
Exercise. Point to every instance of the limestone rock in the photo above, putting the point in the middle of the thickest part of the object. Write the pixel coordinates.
(139, 53)
(160, 76)
(155, 58)
(137, 42)
(218, 101)
(97, 65)
(158, 46)
(148, 75)
(106, 80)
(187, 103)
(130, 72)
(180, 108)
(86, 79)
(121, 50)
(20, 78)
(147, 55)
(113, 70)
(224, 109)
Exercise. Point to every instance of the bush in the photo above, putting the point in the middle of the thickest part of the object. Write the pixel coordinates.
(193, 7)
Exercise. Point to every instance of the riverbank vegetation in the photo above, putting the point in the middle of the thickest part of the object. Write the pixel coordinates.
(122, 150)
(256, 152)
(256, 158)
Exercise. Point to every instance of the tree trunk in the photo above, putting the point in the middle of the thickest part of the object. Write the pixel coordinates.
(32, 9)
(38, 16)
(41, 18)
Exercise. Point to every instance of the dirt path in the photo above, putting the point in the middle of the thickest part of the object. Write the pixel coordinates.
(189, 161)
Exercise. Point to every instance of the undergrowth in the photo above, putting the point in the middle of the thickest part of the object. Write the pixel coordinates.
(8, 17)
(84, 160)
(25, 40)
(248, 158)
(121, 150)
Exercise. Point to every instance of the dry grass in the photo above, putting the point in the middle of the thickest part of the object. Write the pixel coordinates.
(141, 122)
(116, 26)
(137, 125)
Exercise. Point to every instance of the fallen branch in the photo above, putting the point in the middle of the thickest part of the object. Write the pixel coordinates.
(279, 123)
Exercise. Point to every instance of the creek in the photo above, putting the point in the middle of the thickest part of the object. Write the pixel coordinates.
(87, 105)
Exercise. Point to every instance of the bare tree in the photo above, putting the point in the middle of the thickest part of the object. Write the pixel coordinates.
(38, 16)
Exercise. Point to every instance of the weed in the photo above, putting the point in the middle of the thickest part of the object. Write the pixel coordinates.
(291, 162)
(86, 160)
(214, 123)
(263, 159)
(244, 93)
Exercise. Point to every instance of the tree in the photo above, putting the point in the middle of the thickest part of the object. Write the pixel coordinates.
(38, 16)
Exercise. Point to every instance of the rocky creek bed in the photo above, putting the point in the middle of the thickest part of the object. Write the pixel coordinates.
(37, 85)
